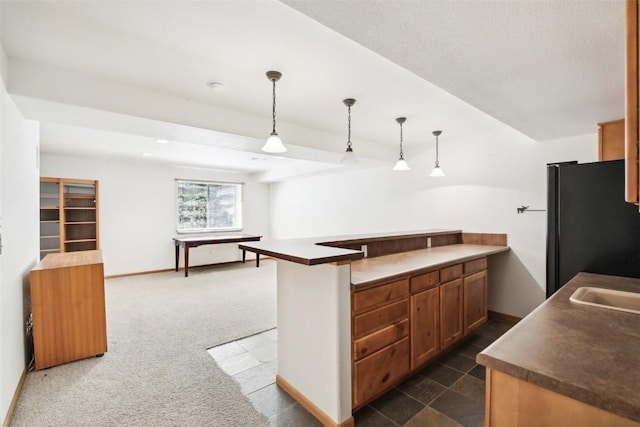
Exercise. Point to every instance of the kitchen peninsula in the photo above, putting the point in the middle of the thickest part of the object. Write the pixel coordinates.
(358, 314)
(567, 363)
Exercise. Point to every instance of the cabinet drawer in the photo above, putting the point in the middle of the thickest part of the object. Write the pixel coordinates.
(380, 295)
(377, 373)
(475, 265)
(448, 274)
(369, 344)
(425, 281)
(378, 318)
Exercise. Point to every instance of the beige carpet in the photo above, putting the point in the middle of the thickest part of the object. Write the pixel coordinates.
(157, 371)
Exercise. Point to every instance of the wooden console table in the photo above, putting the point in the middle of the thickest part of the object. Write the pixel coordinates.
(195, 241)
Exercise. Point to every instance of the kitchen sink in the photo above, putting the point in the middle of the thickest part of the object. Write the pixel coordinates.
(607, 298)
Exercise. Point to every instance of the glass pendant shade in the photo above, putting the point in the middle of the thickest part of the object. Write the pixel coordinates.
(274, 143)
(401, 165)
(349, 157)
(436, 172)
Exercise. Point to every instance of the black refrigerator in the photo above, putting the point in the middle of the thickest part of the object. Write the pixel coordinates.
(590, 227)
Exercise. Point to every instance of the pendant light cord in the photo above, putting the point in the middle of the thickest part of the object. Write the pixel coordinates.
(437, 163)
(401, 153)
(349, 128)
(274, 106)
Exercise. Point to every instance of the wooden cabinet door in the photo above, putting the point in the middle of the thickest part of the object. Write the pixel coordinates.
(631, 102)
(379, 372)
(451, 306)
(475, 301)
(425, 325)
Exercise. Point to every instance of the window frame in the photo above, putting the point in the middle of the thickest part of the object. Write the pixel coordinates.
(239, 199)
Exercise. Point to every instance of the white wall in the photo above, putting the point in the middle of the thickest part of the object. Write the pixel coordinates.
(488, 175)
(20, 236)
(138, 210)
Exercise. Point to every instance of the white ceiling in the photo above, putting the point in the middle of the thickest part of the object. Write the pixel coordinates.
(108, 77)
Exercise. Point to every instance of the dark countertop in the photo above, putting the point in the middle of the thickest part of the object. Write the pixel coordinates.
(587, 353)
(312, 251)
(373, 271)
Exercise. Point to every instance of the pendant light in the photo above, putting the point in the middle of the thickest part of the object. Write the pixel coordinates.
(274, 143)
(401, 164)
(436, 172)
(349, 155)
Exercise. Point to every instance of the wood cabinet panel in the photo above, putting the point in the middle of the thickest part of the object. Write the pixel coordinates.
(448, 274)
(425, 281)
(379, 372)
(475, 301)
(373, 342)
(611, 140)
(68, 306)
(475, 265)
(379, 296)
(514, 402)
(425, 326)
(631, 101)
(380, 317)
(451, 307)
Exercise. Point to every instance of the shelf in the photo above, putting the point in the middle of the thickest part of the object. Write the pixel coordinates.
(50, 251)
(80, 241)
(80, 208)
(49, 208)
(49, 221)
(49, 237)
(79, 222)
(79, 196)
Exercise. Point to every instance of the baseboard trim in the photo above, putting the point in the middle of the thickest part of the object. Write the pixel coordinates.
(14, 401)
(310, 406)
(503, 316)
(164, 270)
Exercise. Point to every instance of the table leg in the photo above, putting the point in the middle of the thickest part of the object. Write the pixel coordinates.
(177, 254)
(244, 255)
(186, 260)
(257, 260)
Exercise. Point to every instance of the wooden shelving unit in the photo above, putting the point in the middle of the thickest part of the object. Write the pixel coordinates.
(68, 215)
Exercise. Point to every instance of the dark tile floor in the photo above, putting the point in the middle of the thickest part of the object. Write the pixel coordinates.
(448, 392)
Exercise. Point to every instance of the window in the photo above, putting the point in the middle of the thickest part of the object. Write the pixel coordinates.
(209, 206)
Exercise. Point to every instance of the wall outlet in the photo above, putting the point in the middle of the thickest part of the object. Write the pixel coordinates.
(428, 242)
(363, 248)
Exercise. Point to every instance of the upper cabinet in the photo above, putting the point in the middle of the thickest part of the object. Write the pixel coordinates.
(631, 102)
(611, 140)
(68, 215)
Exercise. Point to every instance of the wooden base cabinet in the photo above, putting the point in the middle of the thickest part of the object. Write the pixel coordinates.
(512, 402)
(380, 330)
(68, 306)
(425, 326)
(475, 301)
(451, 310)
(400, 326)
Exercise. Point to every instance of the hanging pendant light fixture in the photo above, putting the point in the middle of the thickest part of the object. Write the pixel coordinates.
(436, 172)
(401, 164)
(274, 143)
(349, 155)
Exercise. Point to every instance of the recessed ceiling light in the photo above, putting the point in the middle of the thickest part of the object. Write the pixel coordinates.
(215, 86)
(258, 159)
(162, 141)
(146, 154)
